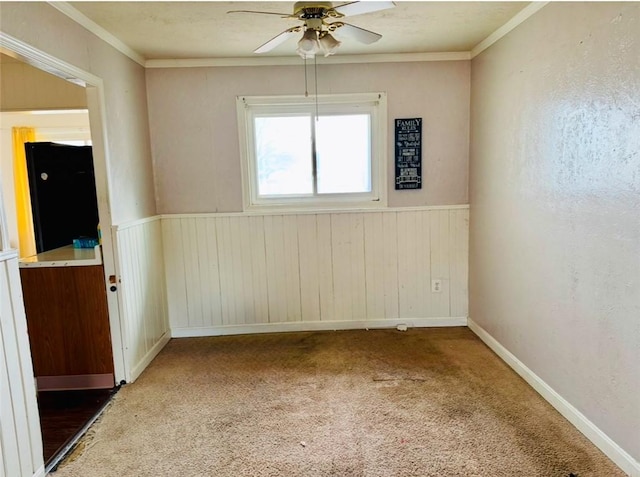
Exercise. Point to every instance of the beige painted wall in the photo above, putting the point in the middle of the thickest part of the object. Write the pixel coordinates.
(195, 136)
(25, 88)
(129, 153)
(555, 201)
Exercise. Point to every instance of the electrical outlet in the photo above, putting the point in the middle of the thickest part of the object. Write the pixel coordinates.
(436, 286)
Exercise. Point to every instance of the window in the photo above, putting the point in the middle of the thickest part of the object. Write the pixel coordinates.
(301, 153)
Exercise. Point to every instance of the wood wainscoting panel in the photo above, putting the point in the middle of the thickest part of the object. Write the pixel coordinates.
(20, 438)
(304, 270)
(143, 286)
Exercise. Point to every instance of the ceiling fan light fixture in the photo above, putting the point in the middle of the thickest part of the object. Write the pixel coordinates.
(315, 16)
(328, 43)
(308, 45)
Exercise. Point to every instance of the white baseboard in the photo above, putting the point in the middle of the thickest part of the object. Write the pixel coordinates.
(315, 326)
(40, 472)
(153, 352)
(612, 450)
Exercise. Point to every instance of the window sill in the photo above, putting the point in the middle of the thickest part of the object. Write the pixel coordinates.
(316, 207)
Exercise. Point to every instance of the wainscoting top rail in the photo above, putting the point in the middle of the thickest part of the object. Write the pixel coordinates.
(289, 211)
(134, 223)
(8, 254)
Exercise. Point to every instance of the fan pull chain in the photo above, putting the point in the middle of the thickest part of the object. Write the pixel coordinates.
(306, 89)
(315, 71)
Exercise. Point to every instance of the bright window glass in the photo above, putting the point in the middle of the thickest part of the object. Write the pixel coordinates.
(343, 155)
(283, 155)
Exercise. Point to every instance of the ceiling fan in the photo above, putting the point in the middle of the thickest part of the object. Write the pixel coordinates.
(316, 36)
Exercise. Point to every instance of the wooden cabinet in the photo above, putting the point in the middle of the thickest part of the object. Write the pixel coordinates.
(68, 325)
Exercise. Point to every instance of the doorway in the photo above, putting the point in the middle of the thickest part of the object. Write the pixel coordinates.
(64, 416)
(72, 411)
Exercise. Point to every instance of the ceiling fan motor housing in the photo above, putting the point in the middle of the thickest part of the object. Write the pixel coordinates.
(314, 24)
(313, 10)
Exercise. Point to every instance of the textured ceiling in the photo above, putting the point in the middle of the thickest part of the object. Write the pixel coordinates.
(183, 30)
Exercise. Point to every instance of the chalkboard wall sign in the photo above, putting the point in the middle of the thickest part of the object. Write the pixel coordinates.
(409, 153)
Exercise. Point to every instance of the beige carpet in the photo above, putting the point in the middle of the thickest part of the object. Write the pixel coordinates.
(426, 402)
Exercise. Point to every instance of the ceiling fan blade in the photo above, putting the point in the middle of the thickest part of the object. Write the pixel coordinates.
(360, 34)
(278, 40)
(283, 15)
(358, 8)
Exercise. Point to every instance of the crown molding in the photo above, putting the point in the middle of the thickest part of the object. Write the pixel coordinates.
(97, 30)
(295, 60)
(517, 19)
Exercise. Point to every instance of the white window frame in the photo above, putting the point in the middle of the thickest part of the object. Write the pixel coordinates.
(374, 104)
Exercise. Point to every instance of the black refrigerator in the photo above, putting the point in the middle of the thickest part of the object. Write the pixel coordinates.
(63, 193)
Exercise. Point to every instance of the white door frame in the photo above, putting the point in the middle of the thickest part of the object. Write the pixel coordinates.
(97, 119)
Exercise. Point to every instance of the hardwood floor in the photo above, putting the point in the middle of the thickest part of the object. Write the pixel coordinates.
(63, 414)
